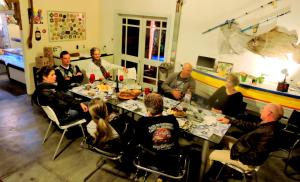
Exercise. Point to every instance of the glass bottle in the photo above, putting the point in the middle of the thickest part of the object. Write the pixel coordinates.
(117, 84)
(186, 101)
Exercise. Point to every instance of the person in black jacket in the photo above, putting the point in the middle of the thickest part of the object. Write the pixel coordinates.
(65, 106)
(253, 148)
(227, 100)
(157, 132)
(68, 75)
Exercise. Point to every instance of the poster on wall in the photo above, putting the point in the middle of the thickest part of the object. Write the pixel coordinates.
(65, 26)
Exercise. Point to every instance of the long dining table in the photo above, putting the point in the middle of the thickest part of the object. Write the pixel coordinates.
(197, 121)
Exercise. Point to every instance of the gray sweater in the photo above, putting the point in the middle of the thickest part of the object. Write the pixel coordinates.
(175, 81)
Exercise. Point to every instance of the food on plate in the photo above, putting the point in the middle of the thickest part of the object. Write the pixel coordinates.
(88, 87)
(136, 92)
(177, 112)
(104, 87)
(91, 94)
(129, 94)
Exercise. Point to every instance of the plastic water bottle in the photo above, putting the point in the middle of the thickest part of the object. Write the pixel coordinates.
(187, 100)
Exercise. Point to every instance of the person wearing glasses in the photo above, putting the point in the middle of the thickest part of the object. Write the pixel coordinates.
(227, 100)
(100, 67)
(253, 148)
(65, 106)
(177, 84)
(67, 74)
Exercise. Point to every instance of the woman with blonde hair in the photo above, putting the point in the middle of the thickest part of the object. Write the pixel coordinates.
(100, 128)
(227, 100)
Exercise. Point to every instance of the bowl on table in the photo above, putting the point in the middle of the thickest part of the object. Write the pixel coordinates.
(177, 112)
(129, 94)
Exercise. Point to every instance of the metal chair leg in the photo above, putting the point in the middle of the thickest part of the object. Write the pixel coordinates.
(187, 171)
(47, 132)
(290, 155)
(135, 177)
(83, 133)
(255, 176)
(99, 165)
(245, 179)
(145, 176)
(220, 172)
(61, 138)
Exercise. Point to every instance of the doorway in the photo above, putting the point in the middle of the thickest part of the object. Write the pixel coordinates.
(142, 43)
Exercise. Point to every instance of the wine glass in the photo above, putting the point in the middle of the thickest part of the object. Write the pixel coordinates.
(107, 75)
(147, 90)
(121, 78)
(92, 78)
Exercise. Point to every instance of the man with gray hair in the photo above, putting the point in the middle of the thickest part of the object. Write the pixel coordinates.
(253, 148)
(177, 84)
(157, 132)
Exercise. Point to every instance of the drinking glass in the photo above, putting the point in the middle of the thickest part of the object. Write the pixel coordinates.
(107, 75)
(92, 78)
(121, 78)
(147, 90)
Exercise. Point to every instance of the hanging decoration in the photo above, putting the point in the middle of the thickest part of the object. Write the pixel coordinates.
(38, 35)
(37, 16)
(255, 27)
(234, 20)
(29, 40)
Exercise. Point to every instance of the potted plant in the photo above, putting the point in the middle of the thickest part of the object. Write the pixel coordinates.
(261, 78)
(243, 76)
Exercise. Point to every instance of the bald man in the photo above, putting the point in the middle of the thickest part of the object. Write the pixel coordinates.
(177, 84)
(254, 147)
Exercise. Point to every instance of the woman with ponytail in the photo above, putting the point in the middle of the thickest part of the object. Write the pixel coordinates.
(99, 128)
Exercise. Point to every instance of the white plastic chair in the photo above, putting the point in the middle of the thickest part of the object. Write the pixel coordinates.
(53, 118)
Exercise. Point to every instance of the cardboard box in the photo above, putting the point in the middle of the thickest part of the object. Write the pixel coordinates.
(43, 61)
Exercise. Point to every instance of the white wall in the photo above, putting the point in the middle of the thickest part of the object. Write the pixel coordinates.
(93, 26)
(198, 16)
(14, 32)
(110, 8)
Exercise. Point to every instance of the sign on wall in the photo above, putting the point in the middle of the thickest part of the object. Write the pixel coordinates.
(64, 26)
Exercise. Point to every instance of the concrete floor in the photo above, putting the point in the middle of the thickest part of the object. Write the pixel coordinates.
(25, 158)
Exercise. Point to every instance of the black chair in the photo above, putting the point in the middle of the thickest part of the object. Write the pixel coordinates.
(105, 151)
(171, 166)
(116, 150)
(293, 129)
(243, 108)
(250, 171)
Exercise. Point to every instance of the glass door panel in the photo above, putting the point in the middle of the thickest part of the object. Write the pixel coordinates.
(142, 46)
(132, 41)
(150, 71)
(155, 40)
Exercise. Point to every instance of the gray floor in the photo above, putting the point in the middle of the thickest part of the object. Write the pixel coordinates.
(25, 158)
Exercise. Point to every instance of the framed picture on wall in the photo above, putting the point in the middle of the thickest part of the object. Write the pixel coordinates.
(64, 26)
(224, 68)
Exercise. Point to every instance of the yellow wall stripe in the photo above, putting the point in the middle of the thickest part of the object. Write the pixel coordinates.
(252, 93)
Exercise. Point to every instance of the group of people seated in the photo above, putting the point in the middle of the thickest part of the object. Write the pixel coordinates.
(156, 131)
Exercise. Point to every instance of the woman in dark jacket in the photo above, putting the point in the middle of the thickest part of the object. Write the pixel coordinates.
(65, 106)
(226, 99)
